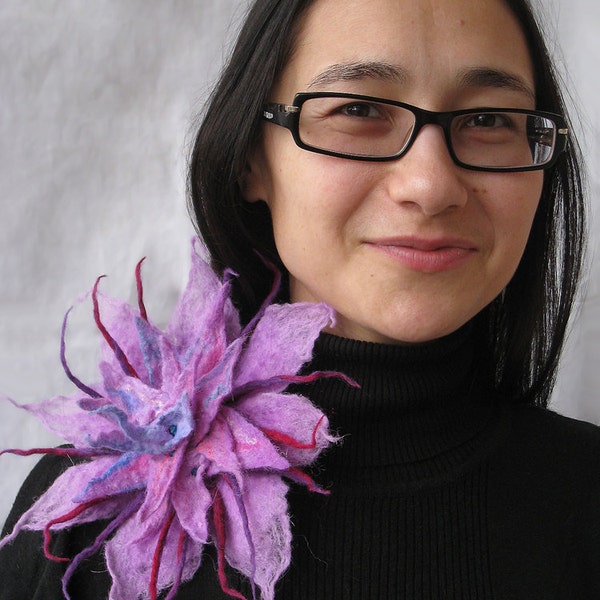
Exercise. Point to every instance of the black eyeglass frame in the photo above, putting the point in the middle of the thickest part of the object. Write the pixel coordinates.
(288, 116)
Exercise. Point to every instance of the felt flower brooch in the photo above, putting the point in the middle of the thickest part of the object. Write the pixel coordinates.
(188, 439)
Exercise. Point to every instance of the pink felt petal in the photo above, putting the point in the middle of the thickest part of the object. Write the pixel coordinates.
(253, 448)
(162, 472)
(218, 448)
(282, 341)
(213, 388)
(292, 415)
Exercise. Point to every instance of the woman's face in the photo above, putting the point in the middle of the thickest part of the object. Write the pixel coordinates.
(404, 251)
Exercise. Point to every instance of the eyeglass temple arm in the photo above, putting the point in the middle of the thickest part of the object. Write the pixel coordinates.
(561, 139)
(282, 114)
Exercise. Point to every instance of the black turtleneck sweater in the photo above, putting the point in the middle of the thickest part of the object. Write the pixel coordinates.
(439, 490)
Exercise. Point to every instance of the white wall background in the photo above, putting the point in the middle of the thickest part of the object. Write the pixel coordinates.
(97, 100)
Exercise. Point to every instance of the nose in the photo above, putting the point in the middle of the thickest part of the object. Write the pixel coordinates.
(426, 177)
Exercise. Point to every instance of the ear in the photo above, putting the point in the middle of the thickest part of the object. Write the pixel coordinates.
(253, 183)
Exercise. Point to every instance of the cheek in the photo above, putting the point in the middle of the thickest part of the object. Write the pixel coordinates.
(512, 211)
(320, 196)
(317, 211)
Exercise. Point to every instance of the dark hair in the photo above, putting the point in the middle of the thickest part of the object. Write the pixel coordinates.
(522, 332)
(232, 229)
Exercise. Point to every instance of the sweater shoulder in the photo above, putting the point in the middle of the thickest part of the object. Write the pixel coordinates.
(543, 501)
(24, 571)
(40, 478)
(554, 434)
(549, 455)
(547, 417)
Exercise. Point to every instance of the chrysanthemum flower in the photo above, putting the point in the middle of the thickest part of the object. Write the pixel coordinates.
(188, 438)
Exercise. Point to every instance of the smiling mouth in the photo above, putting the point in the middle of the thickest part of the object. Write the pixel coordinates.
(426, 256)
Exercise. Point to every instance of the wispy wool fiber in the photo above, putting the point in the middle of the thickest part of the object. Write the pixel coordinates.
(188, 437)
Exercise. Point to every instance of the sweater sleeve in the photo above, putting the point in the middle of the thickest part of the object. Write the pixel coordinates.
(590, 541)
(25, 572)
(581, 574)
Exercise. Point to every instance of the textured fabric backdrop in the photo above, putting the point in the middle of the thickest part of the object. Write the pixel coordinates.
(97, 105)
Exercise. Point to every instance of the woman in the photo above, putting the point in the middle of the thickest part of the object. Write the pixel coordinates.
(444, 487)
(427, 196)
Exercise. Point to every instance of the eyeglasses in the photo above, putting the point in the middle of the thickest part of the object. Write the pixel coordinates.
(373, 129)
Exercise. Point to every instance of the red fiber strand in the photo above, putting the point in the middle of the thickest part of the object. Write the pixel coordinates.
(55, 451)
(160, 546)
(301, 476)
(181, 555)
(315, 375)
(127, 367)
(180, 544)
(282, 438)
(219, 520)
(63, 519)
(140, 289)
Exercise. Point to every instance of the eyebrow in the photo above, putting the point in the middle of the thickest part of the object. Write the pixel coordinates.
(478, 77)
(353, 71)
(483, 77)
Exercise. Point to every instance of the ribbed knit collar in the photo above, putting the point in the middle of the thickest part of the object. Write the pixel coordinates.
(420, 410)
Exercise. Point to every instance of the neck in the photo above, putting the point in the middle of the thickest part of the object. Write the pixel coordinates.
(417, 408)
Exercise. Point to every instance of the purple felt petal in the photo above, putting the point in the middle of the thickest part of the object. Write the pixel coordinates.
(63, 416)
(149, 339)
(186, 428)
(123, 516)
(144, 407)
(160, 436)
(127, 473)
(132, 395)
(120, 320)
(282, 341)
(194, 314)
(170, 369)
(115, 385)
(191, 499)
(209, 347)
(264, 498)
(58, 500)
(129, 559)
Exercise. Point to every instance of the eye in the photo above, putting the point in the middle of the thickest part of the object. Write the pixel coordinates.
(487, 120)
(360, 109)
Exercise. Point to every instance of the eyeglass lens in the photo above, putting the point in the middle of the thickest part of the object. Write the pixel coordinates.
(362, 128)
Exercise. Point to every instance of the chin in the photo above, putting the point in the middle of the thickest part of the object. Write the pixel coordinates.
(394, 335)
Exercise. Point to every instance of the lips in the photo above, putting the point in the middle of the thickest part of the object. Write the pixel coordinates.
(427, 255)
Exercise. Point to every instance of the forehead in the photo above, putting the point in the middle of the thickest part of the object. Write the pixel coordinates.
(416, 44)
